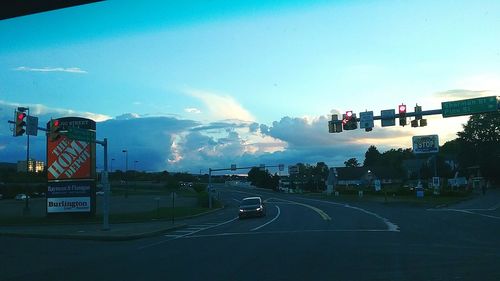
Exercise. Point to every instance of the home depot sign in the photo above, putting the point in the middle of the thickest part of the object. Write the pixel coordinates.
(71, 159)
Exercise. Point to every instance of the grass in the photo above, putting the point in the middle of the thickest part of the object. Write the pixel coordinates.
(132, 190)
(159, 214)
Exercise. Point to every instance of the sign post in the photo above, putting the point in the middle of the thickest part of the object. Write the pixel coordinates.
(428, 144)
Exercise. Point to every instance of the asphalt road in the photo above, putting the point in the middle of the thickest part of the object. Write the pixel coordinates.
(299, 239)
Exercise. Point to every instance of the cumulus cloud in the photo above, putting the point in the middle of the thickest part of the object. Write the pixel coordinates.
(174, 144)
(127, 116)
(51, 69)
(222, 106)
(461, 94)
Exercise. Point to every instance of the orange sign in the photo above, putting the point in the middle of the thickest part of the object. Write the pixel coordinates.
(68, 159)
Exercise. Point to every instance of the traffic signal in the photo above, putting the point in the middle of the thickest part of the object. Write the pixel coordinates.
(418, 112)
(349, 121)
(20, 123)
(54, 130)
(402, 115)
(331, 127)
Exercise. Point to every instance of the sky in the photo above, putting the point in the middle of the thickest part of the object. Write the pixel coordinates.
(205, 84)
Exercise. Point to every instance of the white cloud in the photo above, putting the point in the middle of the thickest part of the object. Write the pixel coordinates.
(192, 110)
(51, 69)
(127, 116)
(43, 111)
(222, 106)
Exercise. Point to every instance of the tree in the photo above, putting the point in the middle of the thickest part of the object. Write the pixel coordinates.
(479, 144)
(262, 178)
(372, 157)
(352, 162)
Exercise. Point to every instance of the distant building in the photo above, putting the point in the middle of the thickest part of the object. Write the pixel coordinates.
(362, 176)
(33, 166)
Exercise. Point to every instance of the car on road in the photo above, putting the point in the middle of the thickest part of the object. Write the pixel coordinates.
(21, 196)
(252, 207)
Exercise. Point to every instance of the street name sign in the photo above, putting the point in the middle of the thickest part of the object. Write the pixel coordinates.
(469, 106)
(425, 144)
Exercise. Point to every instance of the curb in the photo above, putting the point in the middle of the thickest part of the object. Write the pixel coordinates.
(93, 237)
(125, 237)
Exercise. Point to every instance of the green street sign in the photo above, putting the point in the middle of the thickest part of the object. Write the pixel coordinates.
(469, 106)
(80, 134)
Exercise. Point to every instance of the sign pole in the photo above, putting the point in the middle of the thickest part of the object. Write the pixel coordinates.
(210, 188)
(105, 181)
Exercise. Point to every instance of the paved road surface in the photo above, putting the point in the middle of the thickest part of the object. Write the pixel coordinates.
(299, 239)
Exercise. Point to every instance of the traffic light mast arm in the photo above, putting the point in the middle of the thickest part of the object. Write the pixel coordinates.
(39, 128)
(408, 114)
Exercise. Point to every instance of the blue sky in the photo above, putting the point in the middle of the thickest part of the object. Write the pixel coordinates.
(210, 83)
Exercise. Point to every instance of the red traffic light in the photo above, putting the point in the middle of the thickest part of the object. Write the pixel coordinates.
(402, 108)
(21, 116)
(348, 114)
(56, 123)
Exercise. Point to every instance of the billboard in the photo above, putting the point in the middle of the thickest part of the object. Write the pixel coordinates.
(71, 165)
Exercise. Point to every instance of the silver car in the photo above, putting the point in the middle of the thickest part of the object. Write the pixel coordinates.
(252, 207)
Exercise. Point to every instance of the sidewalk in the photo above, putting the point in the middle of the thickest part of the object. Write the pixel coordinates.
(94, 231)
(117, 232)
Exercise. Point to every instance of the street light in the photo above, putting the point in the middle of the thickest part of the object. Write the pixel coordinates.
(126, 169)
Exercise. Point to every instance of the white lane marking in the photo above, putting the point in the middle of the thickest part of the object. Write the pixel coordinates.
(276, 217)
(390, 225)
(493, 208)
(465, 211)
(239, 201)
(169, 235)
(320, 212)
(184, 231)
(286, 232)
(184, 235)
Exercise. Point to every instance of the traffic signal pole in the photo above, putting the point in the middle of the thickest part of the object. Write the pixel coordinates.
(27, 206)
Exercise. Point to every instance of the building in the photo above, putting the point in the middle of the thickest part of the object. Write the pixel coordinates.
(33, 166)
(363, 176)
